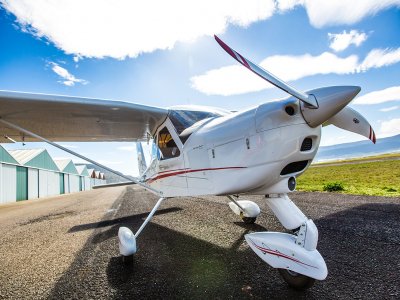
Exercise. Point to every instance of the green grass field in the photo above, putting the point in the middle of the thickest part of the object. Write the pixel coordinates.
(377, 178)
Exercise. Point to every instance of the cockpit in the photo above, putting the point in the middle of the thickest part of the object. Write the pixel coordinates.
(185, 122)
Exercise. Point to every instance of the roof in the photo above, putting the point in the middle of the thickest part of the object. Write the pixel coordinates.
(66, 166)
(6, 157)
(97, 174)
(92, 173)
(82, 170)
(25, 155)
(36, 158)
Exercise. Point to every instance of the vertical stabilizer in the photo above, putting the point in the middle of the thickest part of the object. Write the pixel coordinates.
(141, 159)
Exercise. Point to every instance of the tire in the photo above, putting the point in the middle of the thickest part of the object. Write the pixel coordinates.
(127, 260)
(297, 281)
(249, 220)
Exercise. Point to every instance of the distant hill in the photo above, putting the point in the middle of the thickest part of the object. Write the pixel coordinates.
(357, 149)
(110, 177)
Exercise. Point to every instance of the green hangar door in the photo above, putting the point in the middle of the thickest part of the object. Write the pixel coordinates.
(62, 183)
(22, 183)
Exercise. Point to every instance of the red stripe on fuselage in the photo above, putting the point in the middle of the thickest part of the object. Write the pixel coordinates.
(185, 171)
(172, 171)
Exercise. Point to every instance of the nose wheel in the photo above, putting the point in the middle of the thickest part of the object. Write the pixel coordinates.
(246, 210)
(296, 280)
(248, 220)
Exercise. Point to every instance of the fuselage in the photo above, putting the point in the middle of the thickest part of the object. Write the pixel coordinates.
(254, 151)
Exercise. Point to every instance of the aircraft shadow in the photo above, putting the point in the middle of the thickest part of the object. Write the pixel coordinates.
(121, 220)
(174, 265)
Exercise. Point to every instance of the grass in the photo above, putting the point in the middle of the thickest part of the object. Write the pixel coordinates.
(377, 178)
(387, 156)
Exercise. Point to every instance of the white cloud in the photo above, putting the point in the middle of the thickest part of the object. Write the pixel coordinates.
(340, 41)
(284, 5)
(378, 58)
(236, 79)
(381, 96)
(68, 78)
(391, 108)
(105, 28)
(390, 128)
(324, 13)
(337, 12)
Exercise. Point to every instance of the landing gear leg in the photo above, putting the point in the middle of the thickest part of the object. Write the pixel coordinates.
(127, 240)
(294, 255)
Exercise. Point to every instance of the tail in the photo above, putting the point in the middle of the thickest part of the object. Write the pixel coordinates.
(141, 159)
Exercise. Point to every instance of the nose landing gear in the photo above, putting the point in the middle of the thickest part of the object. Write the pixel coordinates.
(247, 210)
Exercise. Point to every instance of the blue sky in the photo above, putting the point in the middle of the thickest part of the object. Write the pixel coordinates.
(167, 56)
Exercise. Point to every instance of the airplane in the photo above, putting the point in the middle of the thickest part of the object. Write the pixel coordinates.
(209, 151)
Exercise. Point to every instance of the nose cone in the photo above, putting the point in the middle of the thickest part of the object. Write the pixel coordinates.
(330, 100)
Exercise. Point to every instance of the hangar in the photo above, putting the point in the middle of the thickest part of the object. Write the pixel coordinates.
(69, 176)
(32, 173)
(84, 179)
(37, 175)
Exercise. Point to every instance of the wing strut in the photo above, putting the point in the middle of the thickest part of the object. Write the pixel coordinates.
(16, 127)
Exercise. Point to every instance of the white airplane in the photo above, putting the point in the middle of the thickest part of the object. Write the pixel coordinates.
(209, 151)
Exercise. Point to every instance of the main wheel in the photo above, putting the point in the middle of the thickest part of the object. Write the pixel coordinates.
(249, 220)
(296, 280)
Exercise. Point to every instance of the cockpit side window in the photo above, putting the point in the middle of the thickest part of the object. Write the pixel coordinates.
(167, 145)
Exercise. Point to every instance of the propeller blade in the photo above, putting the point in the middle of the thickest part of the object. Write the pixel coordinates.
(308, 99)
(351, 120)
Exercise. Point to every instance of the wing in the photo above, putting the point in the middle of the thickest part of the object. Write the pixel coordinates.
(62, 118)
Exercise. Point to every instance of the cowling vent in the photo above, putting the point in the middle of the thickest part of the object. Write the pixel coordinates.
(306, 145)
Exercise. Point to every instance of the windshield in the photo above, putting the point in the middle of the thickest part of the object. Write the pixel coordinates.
(183, 119)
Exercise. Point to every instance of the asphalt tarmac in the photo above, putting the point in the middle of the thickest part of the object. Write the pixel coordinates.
(66, 248)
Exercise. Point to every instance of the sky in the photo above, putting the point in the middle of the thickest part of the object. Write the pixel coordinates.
(162, 53)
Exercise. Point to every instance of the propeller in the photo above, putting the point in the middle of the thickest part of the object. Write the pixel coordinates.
(267, 75)
(351, 120)
(318, 106)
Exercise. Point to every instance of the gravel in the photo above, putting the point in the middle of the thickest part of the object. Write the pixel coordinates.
(66, 248)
